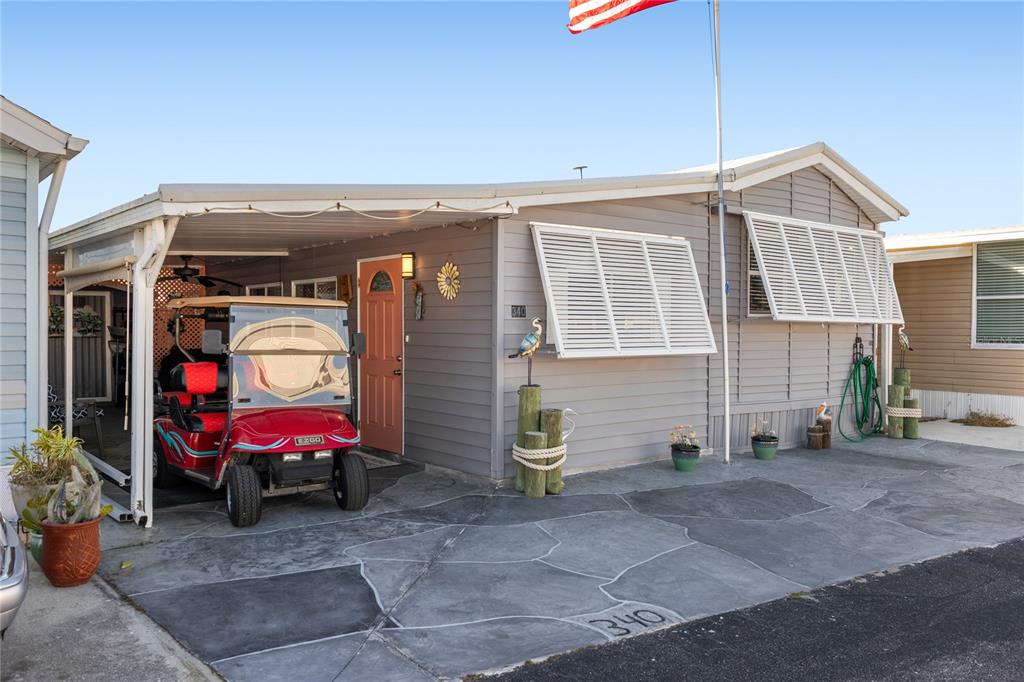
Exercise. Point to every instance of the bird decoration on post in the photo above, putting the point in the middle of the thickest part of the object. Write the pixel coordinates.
(904, 344)
(529, 346)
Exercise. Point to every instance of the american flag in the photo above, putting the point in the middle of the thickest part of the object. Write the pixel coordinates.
(588, 14)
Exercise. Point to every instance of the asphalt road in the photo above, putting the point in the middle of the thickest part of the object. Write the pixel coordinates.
(959, 617)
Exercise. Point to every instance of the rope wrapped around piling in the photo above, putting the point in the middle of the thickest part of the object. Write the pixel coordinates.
(903, 411)
(524, 457)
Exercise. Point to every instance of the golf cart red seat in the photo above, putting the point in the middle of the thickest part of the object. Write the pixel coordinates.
(191, 384)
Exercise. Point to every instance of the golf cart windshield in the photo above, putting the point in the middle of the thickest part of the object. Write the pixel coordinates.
(285, 356)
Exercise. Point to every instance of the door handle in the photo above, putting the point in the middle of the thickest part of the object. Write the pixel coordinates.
(398, 358)
(397, 372)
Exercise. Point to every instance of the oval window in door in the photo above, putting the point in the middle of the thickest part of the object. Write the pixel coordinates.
(381, 282)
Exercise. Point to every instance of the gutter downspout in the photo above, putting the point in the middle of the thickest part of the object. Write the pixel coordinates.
(43, 302)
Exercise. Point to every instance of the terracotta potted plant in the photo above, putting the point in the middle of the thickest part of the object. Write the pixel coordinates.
(765, 441)
(57, 493)
(685, 447)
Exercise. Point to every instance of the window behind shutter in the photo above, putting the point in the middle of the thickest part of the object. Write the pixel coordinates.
(822, 273)
(612, 293)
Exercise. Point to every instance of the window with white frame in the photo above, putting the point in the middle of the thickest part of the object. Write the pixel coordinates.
(268, 289)
(612, 293)
(999, 294)
(816, 272)
(322, 288)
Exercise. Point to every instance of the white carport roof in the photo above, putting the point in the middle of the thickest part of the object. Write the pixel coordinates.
(213, 217)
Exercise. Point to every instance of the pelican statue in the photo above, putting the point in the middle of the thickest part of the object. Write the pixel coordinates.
(529, 346)
(904, 343)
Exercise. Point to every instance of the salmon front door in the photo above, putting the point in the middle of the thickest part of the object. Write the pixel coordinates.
(381, 395)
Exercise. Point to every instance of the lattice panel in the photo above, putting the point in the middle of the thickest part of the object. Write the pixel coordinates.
(192, 335)
(163, 340)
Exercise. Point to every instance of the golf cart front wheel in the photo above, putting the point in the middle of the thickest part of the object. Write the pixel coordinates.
(245, 496)
(351, 482)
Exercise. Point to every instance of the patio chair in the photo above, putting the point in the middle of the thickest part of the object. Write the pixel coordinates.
(84, 411)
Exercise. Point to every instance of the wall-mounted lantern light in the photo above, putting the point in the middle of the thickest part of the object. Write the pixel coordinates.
(408, 265)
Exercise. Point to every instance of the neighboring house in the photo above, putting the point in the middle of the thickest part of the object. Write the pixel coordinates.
(963, 301)
(31, 151)
(623, 272)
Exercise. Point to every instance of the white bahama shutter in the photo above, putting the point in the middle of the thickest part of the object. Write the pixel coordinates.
(612, 293)
(816, 272)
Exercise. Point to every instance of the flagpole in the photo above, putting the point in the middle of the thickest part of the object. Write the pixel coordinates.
(727, 431)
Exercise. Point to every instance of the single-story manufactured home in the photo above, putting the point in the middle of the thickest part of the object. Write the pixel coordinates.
(963, 301)
(31, 150)
(445, 280)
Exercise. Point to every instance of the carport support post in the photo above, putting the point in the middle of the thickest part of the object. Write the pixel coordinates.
(69, 349)
(153, 244)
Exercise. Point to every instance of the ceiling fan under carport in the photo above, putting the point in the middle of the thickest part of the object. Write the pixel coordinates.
(189, 273)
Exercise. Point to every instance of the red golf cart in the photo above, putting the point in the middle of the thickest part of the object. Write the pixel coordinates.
(264, 415)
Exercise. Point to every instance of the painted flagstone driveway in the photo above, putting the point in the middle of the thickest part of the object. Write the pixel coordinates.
(442, 576)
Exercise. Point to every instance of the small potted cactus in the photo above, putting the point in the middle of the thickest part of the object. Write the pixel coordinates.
(685, 447)
(764, 440)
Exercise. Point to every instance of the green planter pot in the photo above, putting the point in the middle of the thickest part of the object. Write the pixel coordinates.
(685, 460)
(35, 546)
(763, 450)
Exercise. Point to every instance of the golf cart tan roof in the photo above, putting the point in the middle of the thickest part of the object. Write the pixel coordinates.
(225, 301)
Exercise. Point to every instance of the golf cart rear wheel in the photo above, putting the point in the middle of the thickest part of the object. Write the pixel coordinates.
(163, 475)
(245, 496)
(351, 483)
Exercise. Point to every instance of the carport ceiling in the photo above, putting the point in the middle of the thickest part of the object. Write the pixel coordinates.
(252, 232)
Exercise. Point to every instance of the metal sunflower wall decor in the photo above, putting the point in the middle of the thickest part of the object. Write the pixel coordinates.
(448, 281)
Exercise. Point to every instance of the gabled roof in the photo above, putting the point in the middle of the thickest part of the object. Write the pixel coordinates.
(448, 202)
(37, 137)
(753, 170)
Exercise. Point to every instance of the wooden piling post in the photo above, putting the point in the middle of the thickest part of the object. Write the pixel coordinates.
(535, 480)
(551, 424)
(896, 392)
(911, 424)
(528, 420)
(901, 376)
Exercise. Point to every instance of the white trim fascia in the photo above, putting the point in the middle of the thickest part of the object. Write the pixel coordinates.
(37, 137)
(468, 206)
(126, 216)
(940, 253)
(30, 133)
(906, 242)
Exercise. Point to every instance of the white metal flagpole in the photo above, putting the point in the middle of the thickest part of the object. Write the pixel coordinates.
(727, 431)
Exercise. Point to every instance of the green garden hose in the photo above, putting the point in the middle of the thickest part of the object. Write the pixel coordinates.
(865, 392)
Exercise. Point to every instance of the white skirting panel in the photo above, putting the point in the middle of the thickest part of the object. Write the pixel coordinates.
(955, 405)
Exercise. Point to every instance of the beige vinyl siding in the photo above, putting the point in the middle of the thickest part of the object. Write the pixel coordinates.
(936, 300)
(448, 357)
(14, 218)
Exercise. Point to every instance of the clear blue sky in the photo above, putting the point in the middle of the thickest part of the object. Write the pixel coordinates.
(924, 97)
